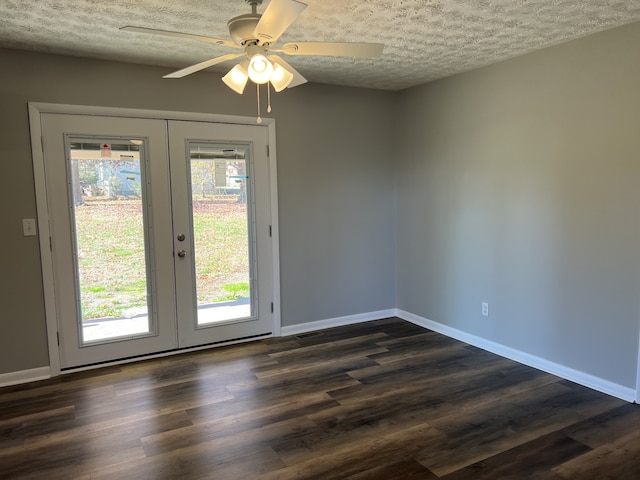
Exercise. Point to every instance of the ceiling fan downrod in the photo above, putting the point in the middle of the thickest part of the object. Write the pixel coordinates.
(254, 5)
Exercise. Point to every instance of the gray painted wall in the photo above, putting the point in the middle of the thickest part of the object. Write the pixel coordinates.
(335, 185)
(520, 186)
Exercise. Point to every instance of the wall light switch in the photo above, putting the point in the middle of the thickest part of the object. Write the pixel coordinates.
(29, 227)
(485, 309)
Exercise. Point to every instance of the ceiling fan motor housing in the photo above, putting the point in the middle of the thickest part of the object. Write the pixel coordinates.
(241, 28)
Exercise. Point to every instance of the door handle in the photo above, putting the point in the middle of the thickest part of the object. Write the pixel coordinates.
(182, 253)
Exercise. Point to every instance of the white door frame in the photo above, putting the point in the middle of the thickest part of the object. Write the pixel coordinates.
(46, 258)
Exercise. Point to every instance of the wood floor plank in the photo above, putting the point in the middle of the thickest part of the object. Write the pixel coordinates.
(310, 358)
(266, 412)
(164, 400)
(324, 377)
(619, 460)
(426, 342)
(16, 431)
(128, 428)
(532, 460)
(376, 400)
(495, 427)
(194, 464)
(55, 397)
(252, 423)
(222, 438)
(302, 352)
(607, 427)
(343, 459)
(69, 457)
(405, 469)
(566, 396)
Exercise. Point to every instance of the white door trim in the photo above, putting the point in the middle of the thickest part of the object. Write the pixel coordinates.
(637, 399)
(46, 258)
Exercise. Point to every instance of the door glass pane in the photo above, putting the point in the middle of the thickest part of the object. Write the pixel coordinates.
(220, 205)
(108, 197)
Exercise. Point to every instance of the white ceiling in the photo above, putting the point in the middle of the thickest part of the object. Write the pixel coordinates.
(424, 39)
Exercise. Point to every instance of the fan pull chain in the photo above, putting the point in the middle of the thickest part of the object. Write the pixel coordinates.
(268, 97)
(259, 119)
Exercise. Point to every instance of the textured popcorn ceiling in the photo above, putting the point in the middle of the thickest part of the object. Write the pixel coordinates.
(424, 39)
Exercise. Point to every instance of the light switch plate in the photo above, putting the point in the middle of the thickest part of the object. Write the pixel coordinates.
(29, 227)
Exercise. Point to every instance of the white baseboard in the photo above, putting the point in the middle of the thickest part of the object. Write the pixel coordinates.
(596, 383)
(24, 376)
(336, 322)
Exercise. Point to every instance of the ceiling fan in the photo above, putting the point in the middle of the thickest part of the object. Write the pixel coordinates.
(256, 35)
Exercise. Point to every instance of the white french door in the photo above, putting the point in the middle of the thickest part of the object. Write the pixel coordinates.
(222, 231)
(160, 234)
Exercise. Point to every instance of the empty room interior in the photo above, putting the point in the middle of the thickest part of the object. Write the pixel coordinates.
(437, 270)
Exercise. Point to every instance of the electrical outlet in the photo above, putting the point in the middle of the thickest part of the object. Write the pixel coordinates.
(28, 227)
(485, 309)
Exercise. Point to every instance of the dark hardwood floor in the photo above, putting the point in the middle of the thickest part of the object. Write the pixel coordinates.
(379, 400)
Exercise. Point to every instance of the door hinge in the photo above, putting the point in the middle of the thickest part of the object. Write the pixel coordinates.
(50, 244)
(268, 151)
(271, 307)
(42, 143)
(270, 232)
(58, 337)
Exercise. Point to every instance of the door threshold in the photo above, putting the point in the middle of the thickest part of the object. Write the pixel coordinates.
(165, 353)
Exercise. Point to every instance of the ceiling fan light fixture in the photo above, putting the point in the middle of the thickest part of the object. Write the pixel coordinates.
(260, 69)
(281, 77)
(236, 79)
(255, 35)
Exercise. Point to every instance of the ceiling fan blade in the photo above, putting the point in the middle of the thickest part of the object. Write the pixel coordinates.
(297, 78)
(370, 50)
(202, 65)
(202, 38)
(276, 19)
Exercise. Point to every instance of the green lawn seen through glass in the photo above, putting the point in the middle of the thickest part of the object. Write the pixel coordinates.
(111, 254)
